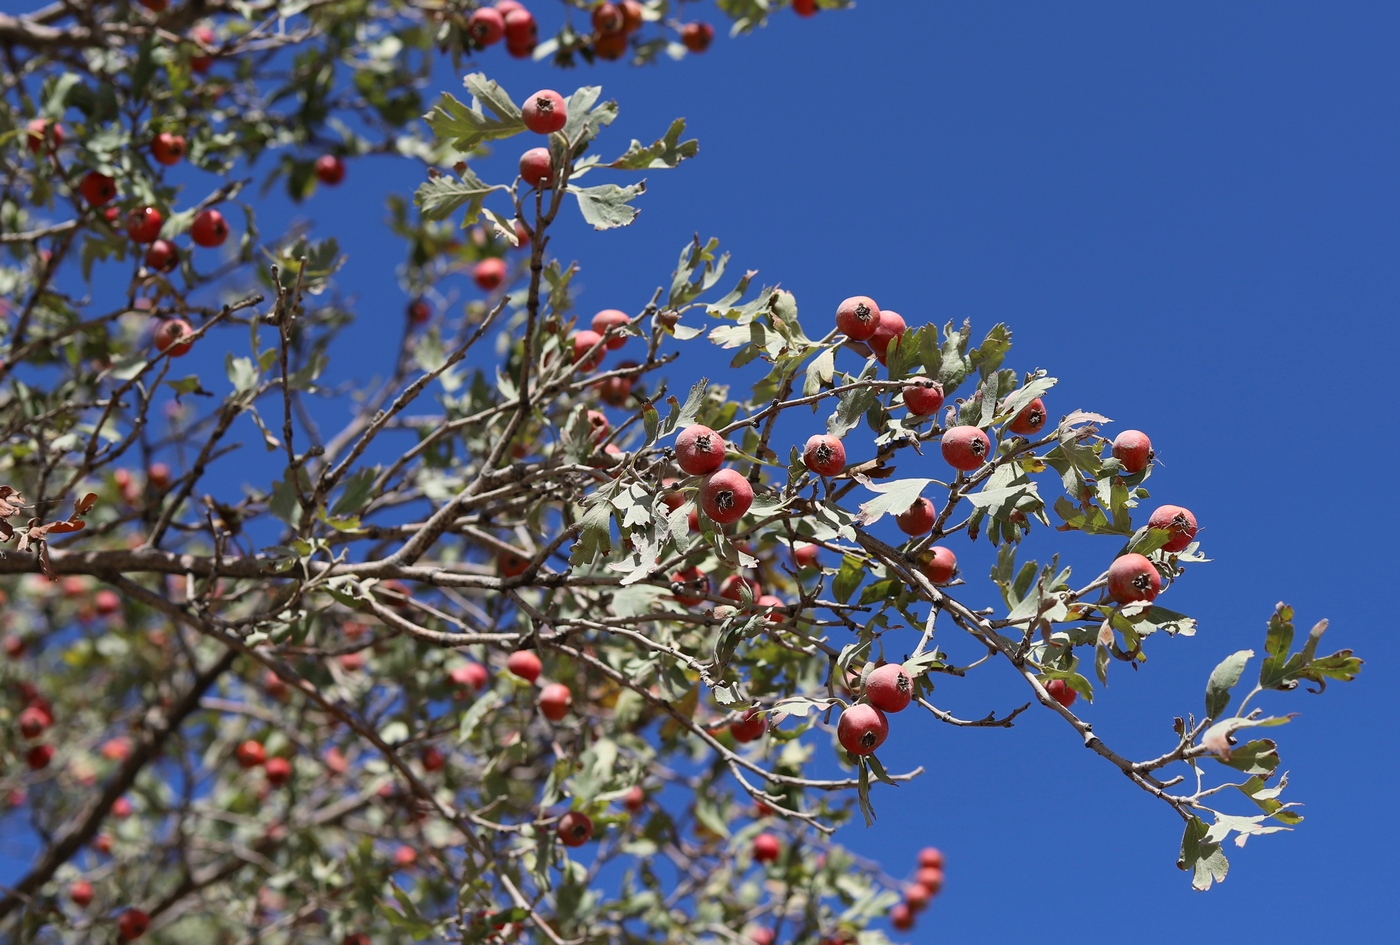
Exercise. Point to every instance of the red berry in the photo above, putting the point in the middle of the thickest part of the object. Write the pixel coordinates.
(805, 556)
(699, 450)
(598, 424)
(155, 6)
(1180, 522)
(489, 273)
(917, 519)
(14, 646)
(405, 857)
(525, 664)
(1030, 419)
(121, 808)
(143, 224)
(330, 169)
(278, 771)
(209, 228)
(469, 674)
(939, 564)
(804, 7)
(250, 754)
(356, 938)
(1061, 692)
(631, 15)
(81, 893)
(1133, 450)
(763, 936)
(585, 341)
(520, 29)
(931, 858)
(750, 727)
(536, 168)
(611, 318)
(697, 36)
(966, 448)
(555, 701)
(862, 729)
(1132, 577)
(574, 829)
(162, 256)
(96, 188)
(33, 721)
(168, 148)
(889, 688)
(41, 131)
(901, 917)
(766, 848)
(133, 922)
(858, 317)
(891, 327)
(690, 586)
(635, 798)
(169, 337)
(917, 896)
(824, 455)
(725, 496)
(433, 759)
(39, 757)
(614, 391)
(486, 26)
(732, 587)
(545, 112)
(610, 46)
(205, 36)
(607, 18)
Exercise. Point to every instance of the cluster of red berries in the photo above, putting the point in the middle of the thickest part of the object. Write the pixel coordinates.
(507, 20)
(927, 884)
(862, 726)
(37, 715)
(251, 754)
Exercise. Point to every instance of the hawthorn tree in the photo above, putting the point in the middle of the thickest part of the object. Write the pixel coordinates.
(534, 646)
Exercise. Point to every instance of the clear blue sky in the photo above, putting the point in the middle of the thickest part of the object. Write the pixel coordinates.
(1190, 214)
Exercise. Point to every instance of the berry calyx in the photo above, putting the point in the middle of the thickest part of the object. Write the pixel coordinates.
(939, 564)
(209, 228)
(824, 455)
(862, 728)
(97, 189)
(766, 848)
(891, 327)
(536, 168)
(143, 224)
(965, 448)
(917, 519)
(489, 273)
(330, 169)
(889, 688)
(1029, 419)
(1132, 577)
(525, 664)
(699, 450)
(574, 829)
(1061, 692)
(170, 337)
(168, 148)
(1133, 450)
(1180, 522)
(611, 318)
(545, 112)
(858, 317)
(697, 36)
(725, 496)
(555, 701)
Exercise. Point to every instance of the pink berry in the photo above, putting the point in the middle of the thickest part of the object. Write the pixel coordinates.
(891, 327)
(209, 228)
(966, 448)
(749, 728)
(536, 167)
(824, 455)
(1133, 450)
(1061, 692)
(611, 318)
(1132, 577)
(585, 341)
(555, 701)
(486, 26)
(939, 564)
(889, 688)
(574, 829)
(862, 729)
(858, 317)
(690, 586)
(489, 273)
(766, 848)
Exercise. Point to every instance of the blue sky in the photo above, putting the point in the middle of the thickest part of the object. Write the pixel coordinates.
(1188, 214)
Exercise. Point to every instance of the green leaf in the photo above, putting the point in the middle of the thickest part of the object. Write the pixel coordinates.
(1222, 680)
(894, 497)
(852, 405)
(667, 151)
(1203, 859)
(1281, 671)
(848, 578)
(819, 373)
(440, 197)
(358, 490)
(466, 127)
(608, 205)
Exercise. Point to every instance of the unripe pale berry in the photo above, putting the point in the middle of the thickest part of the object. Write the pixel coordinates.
(891, 327)
(611, 318)
(168, 337)
(489, 273)
(889, 688)
(1180, 522)
(536, 167)
(1133, 450)
(1132, 577)
(917, 519)
(545, 112)
(525, 664)
(699, 450)
(862, 729)
(555, 701)
(824, 455)
(96, 188)
(939, 564)
(1061, 692)
(725, 496)
(575, 829)
(330, 170)
(143, 224)
(858, 317)
(168, 148)
(766, 848)
(965, 448)
(209, 228)
(749, 728)
(1029, 420)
